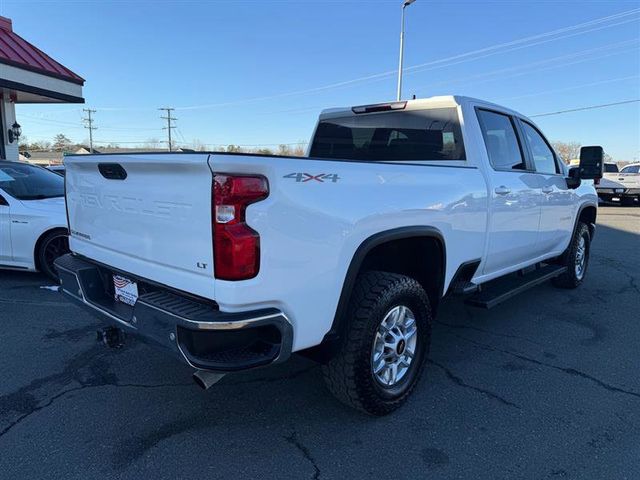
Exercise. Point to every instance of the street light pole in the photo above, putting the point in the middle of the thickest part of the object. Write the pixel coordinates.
(405, 4)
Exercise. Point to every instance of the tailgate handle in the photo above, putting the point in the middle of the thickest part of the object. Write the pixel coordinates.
(112, 171)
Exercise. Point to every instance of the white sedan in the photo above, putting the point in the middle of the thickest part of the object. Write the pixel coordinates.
(33, 220)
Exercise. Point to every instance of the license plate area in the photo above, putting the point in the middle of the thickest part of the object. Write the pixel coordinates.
(125, 290)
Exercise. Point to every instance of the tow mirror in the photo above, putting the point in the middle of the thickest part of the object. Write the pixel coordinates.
(591, 163)
(573, 179)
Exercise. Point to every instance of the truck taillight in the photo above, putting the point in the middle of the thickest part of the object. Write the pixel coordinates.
(236, 250)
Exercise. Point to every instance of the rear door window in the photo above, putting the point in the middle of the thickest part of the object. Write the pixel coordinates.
(432, 134)
(501, 141)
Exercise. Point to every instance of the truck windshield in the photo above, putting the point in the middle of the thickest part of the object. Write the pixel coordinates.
(431, 134)
(28, 182)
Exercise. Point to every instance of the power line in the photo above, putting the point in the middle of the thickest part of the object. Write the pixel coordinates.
(89, 125)
(532, 40)
(572, 87)
(499, 74)
(562, 61)
(590, 107)
(516, 46)
(578, 109)
(448, 61)
(169, 127)
(45, 120)
(248, 144)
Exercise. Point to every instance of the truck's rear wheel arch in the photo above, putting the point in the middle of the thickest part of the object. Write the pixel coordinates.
(396, 251)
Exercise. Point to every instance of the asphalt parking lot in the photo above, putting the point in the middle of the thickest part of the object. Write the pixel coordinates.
(544, 386)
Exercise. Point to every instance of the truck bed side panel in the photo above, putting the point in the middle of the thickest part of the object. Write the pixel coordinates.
(320, 211)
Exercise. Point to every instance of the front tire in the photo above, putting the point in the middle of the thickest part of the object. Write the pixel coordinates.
(385, 345)
(53, 245)
(576, 259)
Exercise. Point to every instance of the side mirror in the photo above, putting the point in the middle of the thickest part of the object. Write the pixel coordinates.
(591, 163)
(573, 180)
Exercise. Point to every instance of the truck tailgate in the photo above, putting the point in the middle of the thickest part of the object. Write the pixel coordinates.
(149, 215)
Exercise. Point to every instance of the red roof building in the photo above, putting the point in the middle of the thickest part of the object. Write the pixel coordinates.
(28, 75)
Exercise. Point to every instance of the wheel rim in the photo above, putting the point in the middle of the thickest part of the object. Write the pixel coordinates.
(394, 346)
(581, 258)
(55, 247)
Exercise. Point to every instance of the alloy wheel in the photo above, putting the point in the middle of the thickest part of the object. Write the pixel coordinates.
(581, 258)
(394, 346)
(54, 248)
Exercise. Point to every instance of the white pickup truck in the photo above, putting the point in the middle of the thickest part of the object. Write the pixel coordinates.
(235, 261)
(620, 186)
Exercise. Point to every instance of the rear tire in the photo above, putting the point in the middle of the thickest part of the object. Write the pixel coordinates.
(385, 345)
(576, 259)
(53, 245)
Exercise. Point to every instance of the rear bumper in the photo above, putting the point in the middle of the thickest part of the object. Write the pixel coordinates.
(192, 329)
(618, 192)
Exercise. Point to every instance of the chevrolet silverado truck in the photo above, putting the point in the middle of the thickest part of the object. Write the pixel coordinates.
(235, 261)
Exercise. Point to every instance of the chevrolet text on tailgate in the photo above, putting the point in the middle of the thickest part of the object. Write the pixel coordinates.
(235, 261)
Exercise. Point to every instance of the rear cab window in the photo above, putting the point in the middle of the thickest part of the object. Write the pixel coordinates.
(426, 134)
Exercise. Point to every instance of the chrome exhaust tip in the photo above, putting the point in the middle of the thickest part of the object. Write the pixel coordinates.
(205, 379)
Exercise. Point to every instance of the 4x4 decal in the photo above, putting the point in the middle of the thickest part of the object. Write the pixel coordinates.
(306, 177)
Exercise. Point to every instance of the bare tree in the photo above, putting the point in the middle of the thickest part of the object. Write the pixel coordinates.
(41, 145)
(299, 150)
(284, 150)
(152, 143)
(197, 145)
(567, 150)
(23, 143)
(61, 143)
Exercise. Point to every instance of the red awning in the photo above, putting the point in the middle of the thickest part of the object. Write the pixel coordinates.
(16, 51)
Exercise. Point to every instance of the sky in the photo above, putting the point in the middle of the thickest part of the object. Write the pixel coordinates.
(257, 73)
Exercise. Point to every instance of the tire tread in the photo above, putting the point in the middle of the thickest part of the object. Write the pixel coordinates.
(343, 374)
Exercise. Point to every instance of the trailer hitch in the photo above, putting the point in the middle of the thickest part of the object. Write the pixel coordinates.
(111, 337)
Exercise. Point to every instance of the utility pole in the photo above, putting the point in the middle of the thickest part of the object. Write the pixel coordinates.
(89, 125)
(405, 4)
(169, 127)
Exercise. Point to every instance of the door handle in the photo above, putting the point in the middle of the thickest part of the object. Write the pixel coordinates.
(547, 189)
(502, 190)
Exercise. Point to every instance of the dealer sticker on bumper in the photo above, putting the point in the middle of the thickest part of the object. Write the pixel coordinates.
(125, 290)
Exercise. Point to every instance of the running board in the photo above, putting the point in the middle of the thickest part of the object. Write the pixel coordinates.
(497, 291)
